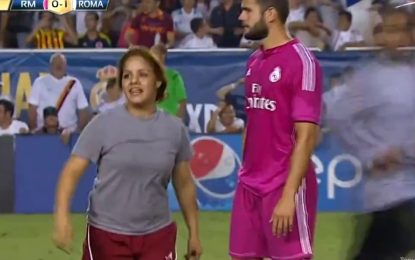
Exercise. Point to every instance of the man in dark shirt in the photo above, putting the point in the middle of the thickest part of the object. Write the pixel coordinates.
(93, 38)
(226, 16)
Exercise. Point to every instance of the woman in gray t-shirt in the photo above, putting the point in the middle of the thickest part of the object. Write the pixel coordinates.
(137, 150)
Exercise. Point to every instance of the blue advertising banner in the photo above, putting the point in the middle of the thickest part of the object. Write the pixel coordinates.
(39, 161)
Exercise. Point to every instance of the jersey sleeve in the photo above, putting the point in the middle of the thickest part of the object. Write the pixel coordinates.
(307, 90)
(90, 143)
(185, 151)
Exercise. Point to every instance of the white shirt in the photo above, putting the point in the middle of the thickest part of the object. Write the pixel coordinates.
(14, 128)
(237, 123)
(342, 37)
(46, 91)
(181, 19)
(193, 42)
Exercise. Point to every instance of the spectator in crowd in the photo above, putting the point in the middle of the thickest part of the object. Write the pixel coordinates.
(51, 125)
(344, 36)
(312, 32)
(175, 97)
(93, 38)
(113, 96)
(224, 120)
(199, 39)
(182, 18)
(14, 28)
(50, 122)
(61, 91)
(119, 13)
(46, 36)
(153, 26)
(227, 30)
(81, 24)
(8, 125)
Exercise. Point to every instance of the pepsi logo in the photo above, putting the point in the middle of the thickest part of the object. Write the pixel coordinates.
(215, 167)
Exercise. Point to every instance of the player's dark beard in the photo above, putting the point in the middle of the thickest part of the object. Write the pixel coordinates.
(258, 32)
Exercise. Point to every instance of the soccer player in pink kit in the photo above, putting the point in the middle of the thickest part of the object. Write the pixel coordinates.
(275, 202)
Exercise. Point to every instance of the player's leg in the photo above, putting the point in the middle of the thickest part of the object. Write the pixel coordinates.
(159, 245)
(297, 244)
(246, 239)
(100, 244)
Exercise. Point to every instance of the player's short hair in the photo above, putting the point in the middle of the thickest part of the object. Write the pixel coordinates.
(158, 69)
(281, 6)
(196, 24)
(8, 106)
(346, 14)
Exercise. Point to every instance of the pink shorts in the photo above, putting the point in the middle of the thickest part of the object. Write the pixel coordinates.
(251, 231)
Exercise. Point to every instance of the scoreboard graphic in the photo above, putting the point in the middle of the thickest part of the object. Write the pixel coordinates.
(55, 6)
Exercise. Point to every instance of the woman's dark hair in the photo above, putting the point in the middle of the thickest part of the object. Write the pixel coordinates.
(152, 61)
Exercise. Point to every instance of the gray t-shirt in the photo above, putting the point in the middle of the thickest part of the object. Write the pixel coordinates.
(135, 159)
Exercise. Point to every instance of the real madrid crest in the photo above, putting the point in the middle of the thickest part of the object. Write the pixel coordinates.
(275, 75)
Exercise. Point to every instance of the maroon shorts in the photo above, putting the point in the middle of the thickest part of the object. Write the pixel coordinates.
(104, 245)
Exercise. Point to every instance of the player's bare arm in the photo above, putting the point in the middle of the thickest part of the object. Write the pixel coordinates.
(306, 140)
(186, 195)
(69, 179)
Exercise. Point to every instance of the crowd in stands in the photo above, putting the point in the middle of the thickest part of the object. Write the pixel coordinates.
(322, 24)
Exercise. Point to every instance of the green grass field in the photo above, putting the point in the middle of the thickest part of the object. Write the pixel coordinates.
(28, 237)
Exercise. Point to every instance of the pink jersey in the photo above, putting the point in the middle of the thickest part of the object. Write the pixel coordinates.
(283, 85)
